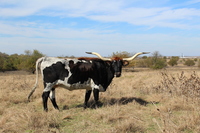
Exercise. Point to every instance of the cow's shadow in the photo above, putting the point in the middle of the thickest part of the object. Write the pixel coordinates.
(115, 101)
(126, 100)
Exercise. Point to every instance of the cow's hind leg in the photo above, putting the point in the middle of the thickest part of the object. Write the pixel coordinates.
(96, 97)
(45, 96)
(87, 97)
(53, 99)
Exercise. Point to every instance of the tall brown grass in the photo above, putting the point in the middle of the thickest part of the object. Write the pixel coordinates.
(141, 101)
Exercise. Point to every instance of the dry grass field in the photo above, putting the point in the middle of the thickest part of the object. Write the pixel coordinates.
(141, 101)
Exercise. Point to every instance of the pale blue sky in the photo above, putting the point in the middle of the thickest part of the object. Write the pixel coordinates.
(66, 27)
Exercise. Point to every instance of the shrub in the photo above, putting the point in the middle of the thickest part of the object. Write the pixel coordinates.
(173, 61)
(189, 62)
(159, 64)
(123, 54)
(199, 63)
(29, 60)
(3, 61)
(141, 63)
(156, 61)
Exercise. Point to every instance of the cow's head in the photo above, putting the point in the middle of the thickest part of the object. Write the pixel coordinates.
(118, 62)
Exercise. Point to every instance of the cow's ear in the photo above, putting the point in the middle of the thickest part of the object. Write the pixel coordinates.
(125, 63)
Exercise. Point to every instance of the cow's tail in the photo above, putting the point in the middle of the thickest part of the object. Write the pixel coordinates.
(38, 63)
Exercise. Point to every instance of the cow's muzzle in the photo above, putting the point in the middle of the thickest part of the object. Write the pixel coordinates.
(117, 74)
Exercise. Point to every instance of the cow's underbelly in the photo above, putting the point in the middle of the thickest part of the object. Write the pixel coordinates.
(76, 86)
(88, 85)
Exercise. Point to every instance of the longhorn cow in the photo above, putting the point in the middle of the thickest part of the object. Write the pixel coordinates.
(92, 74)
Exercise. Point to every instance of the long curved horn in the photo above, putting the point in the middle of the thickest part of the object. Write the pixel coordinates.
(134, 56)
(94, 53)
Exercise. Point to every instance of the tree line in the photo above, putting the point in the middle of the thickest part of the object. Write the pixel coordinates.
(27, 60)
(24, 61)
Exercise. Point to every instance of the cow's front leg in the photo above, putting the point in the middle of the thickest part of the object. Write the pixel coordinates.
(96, 97)
(53, 98)
(45, 96)
(87, 97)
